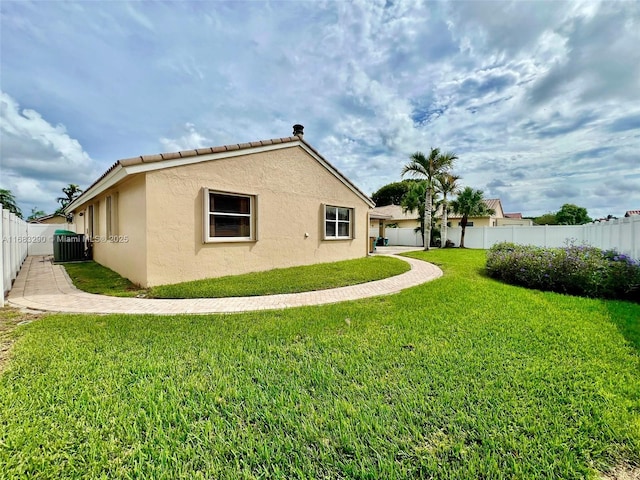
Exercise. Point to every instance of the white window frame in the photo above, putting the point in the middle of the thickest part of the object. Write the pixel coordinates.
(207, 217)
(351, 211)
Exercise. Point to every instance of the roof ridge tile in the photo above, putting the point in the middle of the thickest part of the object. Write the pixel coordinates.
(159, 157)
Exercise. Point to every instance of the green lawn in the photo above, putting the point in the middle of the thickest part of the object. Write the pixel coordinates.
(460, 378)
(94, 278)
(287, 280)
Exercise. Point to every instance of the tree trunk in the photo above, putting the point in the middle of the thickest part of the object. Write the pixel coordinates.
(463, 224)
(427, 217)
(443, 227)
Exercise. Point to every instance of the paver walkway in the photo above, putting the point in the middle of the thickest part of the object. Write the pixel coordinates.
(41, 285)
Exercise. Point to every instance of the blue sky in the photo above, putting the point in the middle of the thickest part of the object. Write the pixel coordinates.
(540, 100)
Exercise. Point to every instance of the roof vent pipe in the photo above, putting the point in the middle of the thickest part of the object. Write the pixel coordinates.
(298, 131)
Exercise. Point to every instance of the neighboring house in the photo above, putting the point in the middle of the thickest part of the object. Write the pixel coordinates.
(54, 218)
(486, 221)
(393, 216)
(632, 212)
(514, 220)
(377, 223)
(210, 212)
(395, 225)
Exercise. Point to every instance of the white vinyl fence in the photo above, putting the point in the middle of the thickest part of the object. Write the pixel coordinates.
(622, 235)
(14, 248)
(20, 239)
(405, 237)
(40, 236)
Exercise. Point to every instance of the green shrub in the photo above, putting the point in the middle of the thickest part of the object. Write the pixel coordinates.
(576, 270)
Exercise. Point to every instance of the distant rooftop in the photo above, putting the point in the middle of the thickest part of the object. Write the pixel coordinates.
(393, 212)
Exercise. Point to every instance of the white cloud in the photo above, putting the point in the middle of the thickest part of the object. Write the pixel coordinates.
(190, 139)
(139, 17)
(527, 93)
(38, 158)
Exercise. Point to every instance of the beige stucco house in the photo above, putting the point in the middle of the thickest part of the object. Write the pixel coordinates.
(514, 220)
(53, 219)
(210, 212)
(393, 216)
(485, 221)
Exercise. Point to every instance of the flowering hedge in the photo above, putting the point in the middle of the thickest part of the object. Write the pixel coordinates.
(576, 270)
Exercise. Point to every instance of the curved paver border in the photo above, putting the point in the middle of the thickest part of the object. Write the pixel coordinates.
(41, 285)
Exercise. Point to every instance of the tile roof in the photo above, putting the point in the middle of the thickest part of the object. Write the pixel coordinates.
(159, 157)
(493, 203)
(46, 217)
(632, 212)
(394, 212)
(162, 157)
(378, 216)
(513, 215)
(205, 151)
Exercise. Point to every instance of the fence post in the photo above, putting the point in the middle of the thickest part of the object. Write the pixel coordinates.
(2, 235)
(14, 248)
(635, 247)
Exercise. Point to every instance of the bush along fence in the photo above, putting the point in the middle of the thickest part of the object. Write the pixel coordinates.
(15, 239)
(621, 234)
(576, 270)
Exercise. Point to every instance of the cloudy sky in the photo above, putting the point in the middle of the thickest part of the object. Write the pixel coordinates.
(540, 100)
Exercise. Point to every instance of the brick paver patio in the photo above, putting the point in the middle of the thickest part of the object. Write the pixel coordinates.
(41, 285)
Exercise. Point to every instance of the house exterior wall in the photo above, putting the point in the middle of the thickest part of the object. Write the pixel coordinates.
(290, 189)
(375, 223)
(125, 251)
(400, 223)
(412, 223)
(55, 220)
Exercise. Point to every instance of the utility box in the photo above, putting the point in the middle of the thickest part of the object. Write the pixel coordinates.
(68, 246)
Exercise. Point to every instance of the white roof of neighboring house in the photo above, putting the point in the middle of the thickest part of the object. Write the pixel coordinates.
(145, 163)
(394, 212)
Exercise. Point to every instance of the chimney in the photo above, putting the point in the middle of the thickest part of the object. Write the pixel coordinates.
(298, 131)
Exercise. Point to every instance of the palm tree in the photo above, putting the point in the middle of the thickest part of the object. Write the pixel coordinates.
(447, 184)
(35, 213)
(428, 168)
(71, 191)
(470, 203)
(8, 202)
(414, 200)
